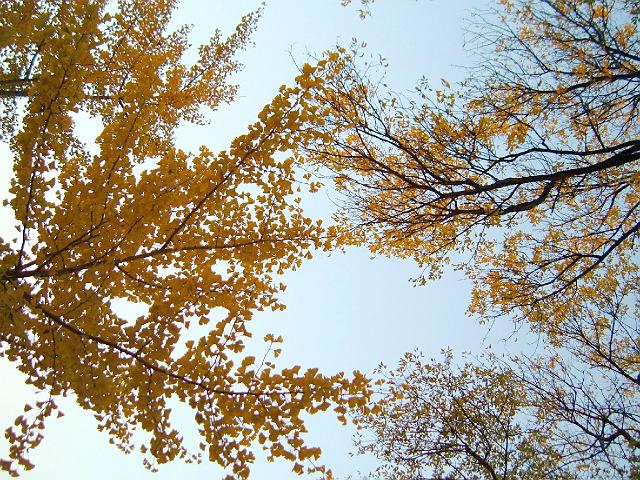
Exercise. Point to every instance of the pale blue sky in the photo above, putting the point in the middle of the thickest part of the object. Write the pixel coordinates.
(345, 312)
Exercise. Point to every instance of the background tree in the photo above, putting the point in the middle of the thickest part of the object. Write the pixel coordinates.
(197, 237)
(527, 178)
(568, 411)
(438, 421)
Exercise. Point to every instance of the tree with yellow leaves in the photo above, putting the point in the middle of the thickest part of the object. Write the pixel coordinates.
(439, 421)
(567, 413)
(526, 178)
(141, 220)
(548, 121)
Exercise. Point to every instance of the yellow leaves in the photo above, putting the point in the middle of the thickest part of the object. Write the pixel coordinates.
(580, 70)
(445, 97)
(307, 79)
(517, 135)
(194, 237)
(298, 468)
(623, 35)
(307, 69)
(271, 338)
(600, 11)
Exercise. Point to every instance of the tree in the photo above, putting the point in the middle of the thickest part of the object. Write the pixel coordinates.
(196, 237)
(551, 415)
(443, 422)
(526, 178)
(542, 142)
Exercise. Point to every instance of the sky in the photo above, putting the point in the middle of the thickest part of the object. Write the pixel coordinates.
(344, 312)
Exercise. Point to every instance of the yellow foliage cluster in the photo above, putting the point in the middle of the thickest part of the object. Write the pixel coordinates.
(525, 177)
(531, 170)
(141, 220)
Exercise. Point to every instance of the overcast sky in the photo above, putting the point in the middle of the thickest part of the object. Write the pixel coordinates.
(346, 311)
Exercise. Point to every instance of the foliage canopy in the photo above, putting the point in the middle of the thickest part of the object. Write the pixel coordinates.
(197, 237)
(526, 178)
